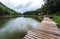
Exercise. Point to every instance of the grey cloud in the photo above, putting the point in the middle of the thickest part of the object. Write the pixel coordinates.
(22, 7)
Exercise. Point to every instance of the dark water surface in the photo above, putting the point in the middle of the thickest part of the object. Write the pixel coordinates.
(16, 28)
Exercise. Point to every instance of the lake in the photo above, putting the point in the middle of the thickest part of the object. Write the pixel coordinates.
(16, 28)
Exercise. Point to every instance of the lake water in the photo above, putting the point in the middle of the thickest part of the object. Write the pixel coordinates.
(16, 28)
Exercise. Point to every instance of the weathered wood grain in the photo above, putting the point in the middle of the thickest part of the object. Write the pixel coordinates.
(47, 29)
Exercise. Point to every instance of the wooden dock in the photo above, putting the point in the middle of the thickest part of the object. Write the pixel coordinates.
(47, 29)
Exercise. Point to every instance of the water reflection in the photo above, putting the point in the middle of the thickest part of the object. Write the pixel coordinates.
(17, 28)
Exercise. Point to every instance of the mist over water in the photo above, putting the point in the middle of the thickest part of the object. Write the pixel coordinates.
(16, 28)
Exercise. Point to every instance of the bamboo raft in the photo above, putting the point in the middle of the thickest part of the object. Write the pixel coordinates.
(46, 30)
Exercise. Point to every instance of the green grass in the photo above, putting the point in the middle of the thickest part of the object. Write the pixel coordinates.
(57, 20)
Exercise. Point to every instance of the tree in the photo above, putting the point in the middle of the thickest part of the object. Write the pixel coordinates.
(52, 6)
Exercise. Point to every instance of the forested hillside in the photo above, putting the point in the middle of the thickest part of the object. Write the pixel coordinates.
(49, 7)
(4, 10)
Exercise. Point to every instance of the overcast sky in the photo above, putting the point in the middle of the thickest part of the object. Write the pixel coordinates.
(23, 5)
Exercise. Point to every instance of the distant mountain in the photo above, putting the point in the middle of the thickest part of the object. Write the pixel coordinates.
(4, 10)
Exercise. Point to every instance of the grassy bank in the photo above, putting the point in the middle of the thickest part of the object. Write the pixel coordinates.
(56, 18)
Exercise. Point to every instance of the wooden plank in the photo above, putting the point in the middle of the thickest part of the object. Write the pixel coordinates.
(49, 30)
